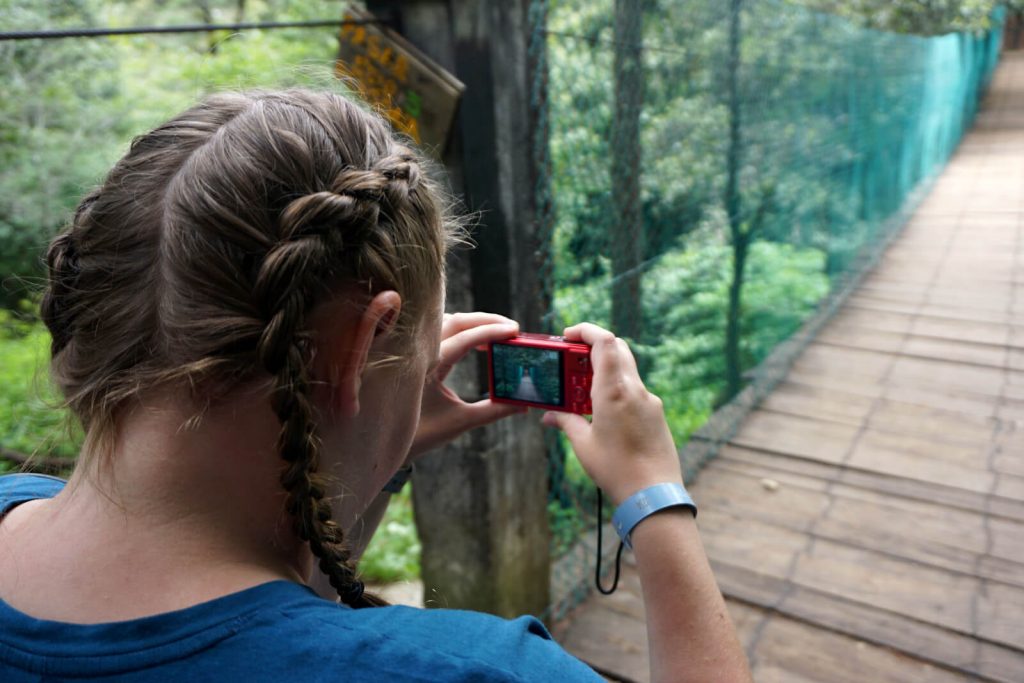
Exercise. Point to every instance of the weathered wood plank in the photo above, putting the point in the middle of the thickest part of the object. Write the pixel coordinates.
(608, 637)
(887, 629)
(942, 537)
(930, 459)
(890, 485)
(780, 648)
(835, 405)
(956, 602)
(911, 344)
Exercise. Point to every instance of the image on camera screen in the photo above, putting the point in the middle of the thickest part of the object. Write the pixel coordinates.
(527, 374)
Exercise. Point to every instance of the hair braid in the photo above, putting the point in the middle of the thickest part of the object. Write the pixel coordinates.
(312, 228)
(57, 307)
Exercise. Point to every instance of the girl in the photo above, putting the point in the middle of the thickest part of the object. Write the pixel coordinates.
(247, 321)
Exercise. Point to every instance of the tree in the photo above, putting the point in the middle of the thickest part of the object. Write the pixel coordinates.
(627, 229)
(70, 106)
(926, 17)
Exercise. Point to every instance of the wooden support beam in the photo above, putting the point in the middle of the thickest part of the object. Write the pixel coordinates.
(481, 502)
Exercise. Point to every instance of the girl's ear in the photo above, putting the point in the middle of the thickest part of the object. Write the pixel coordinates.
(351, 354)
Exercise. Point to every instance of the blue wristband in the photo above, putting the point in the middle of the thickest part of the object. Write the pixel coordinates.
(645, 503)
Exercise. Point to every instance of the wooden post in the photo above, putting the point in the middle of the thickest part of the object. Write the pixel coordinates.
(481, 502)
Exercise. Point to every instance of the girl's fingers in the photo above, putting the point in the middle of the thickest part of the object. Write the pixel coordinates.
(576, 427)
(606, 350)
(588, 333)
(486, 411)
(459, 322)
(455, 348)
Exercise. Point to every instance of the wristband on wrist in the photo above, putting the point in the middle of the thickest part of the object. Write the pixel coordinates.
(645, 503)
(396, 482)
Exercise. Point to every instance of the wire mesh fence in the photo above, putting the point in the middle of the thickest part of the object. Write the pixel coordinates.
(721, 173)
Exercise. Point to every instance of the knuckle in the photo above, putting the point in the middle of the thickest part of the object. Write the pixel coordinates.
(617, 392)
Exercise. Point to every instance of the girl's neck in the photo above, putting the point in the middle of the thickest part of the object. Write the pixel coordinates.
(171, 519)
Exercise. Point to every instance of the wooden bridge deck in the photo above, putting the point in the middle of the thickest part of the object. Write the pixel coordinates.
(867, 521)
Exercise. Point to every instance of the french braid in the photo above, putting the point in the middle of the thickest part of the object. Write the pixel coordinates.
(62, 261)
(313, 227)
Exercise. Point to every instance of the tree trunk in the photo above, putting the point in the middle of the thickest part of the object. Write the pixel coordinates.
(207, 14)
(733, 330)
(739, 239)
(627, 229)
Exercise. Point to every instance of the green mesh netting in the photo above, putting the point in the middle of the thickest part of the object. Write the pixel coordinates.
(721, 172)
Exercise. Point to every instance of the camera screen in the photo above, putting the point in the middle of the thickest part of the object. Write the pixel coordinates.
(522, 373)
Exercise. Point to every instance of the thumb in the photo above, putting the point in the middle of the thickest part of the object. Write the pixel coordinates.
(574, 426)
(486, 411)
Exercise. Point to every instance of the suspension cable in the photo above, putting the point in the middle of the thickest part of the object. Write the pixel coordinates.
(52, 34)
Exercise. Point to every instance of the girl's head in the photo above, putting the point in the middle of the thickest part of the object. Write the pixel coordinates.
(201, 260)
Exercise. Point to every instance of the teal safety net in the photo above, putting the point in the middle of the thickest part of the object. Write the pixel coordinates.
(720, 172)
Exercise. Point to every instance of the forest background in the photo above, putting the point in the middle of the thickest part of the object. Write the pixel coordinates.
(70, 108)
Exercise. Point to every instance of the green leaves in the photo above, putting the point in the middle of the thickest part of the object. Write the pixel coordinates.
(394, 552)
(30, 420)
(913, 16)
(71, 106)
(685, 301)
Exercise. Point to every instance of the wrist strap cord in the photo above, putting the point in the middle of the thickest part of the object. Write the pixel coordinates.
(618, 556)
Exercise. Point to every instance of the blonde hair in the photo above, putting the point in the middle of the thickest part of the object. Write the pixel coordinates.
(200, 256)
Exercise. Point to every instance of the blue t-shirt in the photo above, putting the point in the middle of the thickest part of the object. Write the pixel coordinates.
(278, 631)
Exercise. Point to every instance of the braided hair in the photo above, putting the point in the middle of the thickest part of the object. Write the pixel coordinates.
(200, 257)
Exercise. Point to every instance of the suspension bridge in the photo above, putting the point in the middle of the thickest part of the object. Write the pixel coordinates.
(866, 522)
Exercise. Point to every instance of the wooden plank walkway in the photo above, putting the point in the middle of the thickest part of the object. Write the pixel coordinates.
(867, 521)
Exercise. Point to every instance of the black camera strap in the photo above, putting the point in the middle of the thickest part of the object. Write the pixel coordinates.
(618, 555)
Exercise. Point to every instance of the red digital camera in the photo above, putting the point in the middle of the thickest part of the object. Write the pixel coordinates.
(542, 371)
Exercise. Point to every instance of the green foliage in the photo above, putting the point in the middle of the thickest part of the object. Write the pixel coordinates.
(914, 16)
(71, 106)
(573, 503)
(30, 419)
(394, 552)
(567, 524)
(685, 297)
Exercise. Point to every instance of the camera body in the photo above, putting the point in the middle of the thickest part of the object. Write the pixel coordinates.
(541, 371)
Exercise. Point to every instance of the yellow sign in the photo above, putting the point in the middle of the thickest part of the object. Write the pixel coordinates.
(414, 92)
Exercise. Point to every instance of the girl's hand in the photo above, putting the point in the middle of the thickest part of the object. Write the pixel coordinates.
(627, 446)
(443, 415)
